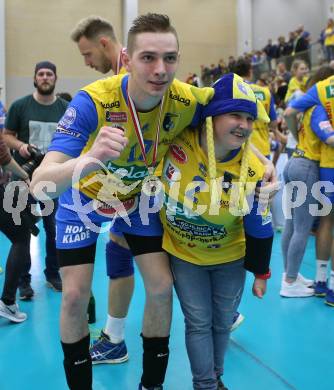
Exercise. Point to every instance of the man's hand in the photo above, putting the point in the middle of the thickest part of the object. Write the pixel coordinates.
(108, 144)
(259, 287)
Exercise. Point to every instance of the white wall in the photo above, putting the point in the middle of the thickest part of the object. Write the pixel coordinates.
(272, 18)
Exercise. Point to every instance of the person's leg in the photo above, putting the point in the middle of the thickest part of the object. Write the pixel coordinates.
(155, 271)
(51, 264)
(193, 287)
(73, 323)
(110, 346)
(306, 171)
(19, 254)
(227, 281)
(121, 281)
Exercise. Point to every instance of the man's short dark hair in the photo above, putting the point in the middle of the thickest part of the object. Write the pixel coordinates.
(150, 22)
(242, 67)
(92, 28)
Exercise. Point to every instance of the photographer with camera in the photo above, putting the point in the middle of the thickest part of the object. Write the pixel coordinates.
(29, 127)
(19, 235)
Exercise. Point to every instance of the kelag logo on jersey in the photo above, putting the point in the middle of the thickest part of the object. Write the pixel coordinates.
(179, 98)
(330, 91)
(168, 123)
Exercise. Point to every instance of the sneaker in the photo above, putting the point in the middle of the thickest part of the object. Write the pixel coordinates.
(329, 300)
(302, 279)
(141, 387)
(220, 385)
(237, 320)
(104, 351)
(26, 292)
(295, 290)
(12, 312)
(55, 283)
(320, 289)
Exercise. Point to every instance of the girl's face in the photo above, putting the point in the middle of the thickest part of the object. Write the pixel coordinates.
(232, 130)
(301, 71)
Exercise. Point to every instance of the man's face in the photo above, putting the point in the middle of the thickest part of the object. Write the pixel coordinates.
(94, 55)
(152, 63)
(45, 81)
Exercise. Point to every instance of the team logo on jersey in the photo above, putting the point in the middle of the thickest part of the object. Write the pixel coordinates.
(259, 95)
(68, 118)
(169, 121)
(179, 98)
(178, 153)
(111, 105)
(171, 172)
(108, 210)
(117, 117)
(330, 91)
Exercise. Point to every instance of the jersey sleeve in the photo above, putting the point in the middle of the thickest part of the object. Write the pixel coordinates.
(76, 125)
(309, 99)
(320, 124)
(259, 238)
(272, 111)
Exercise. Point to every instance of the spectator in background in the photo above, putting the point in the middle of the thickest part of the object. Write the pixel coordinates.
(19, 235)
(231, 63)
(33, 120)
(271, 53)
(329, 40)
(297, 84)
(281, 71)
(282, 47)
(301, 47)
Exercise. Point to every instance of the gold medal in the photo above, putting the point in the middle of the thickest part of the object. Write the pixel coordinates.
(152, 185)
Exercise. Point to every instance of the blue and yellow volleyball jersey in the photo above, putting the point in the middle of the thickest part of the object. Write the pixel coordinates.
(201, 237)
(329, 34)
(295, 85)
(260, 135)
(104, 103)
(309, 143)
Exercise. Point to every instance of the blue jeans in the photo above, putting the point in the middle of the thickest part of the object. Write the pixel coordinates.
(297, 229)
(209, 296)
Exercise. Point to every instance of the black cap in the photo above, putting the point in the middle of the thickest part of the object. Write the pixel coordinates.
(46, 65)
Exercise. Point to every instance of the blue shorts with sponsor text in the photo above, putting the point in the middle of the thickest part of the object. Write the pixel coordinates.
(79, 219)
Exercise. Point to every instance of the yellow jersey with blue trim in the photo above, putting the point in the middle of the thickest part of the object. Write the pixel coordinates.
(260, 134)
(295, 85)
(309, 145)
(104, 103)
(194, 230)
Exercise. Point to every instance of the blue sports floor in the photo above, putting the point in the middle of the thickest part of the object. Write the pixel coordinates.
(282, 344)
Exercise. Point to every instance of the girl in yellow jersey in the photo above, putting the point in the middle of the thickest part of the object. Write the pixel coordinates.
(297, 84)
(303, 168)
(206, 226)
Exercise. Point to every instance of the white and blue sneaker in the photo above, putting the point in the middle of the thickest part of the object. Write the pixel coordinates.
(104, 351)
(237, 320)
(12, 312)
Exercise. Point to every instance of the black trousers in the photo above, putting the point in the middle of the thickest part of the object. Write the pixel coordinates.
(19, 253)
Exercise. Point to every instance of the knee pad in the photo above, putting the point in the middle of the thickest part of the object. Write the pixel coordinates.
(119, 261)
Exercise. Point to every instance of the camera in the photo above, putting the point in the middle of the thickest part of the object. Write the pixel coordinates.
(36, 157)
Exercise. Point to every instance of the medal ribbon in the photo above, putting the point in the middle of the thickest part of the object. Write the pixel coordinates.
(136, 123)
